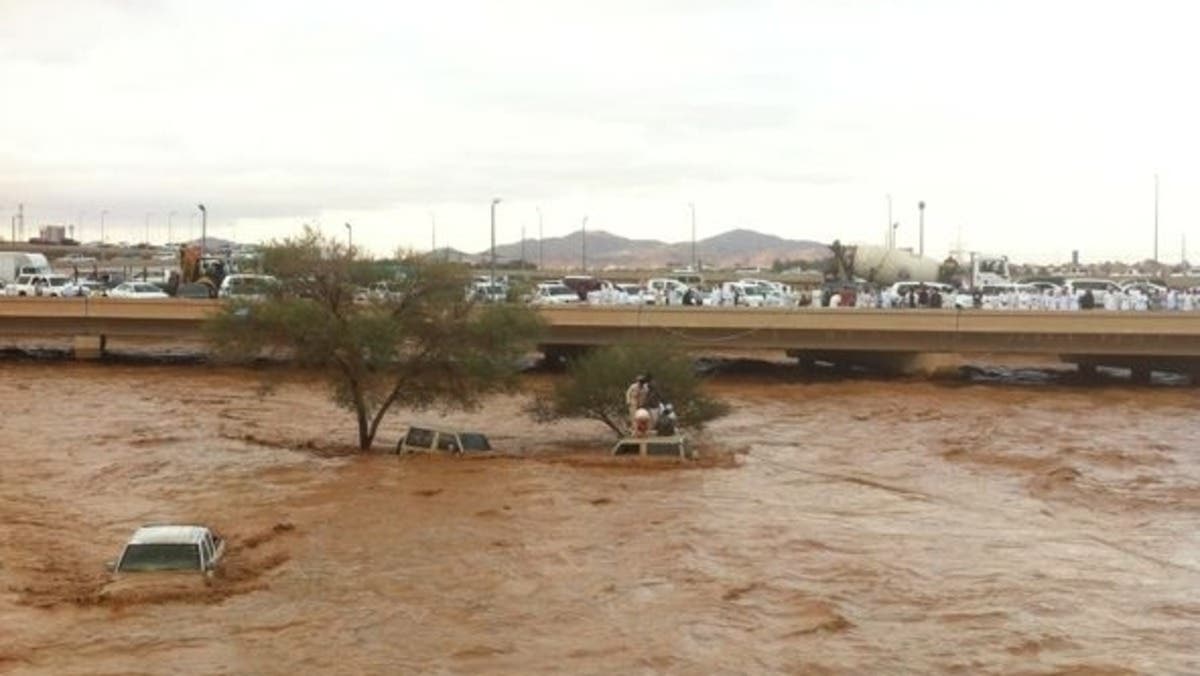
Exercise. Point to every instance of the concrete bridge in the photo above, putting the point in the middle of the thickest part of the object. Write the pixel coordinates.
(1138, 340)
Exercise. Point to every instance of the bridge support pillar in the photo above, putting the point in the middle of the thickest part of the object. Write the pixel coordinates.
(88, 347)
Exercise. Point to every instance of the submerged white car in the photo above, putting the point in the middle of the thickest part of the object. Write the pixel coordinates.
(160, 548)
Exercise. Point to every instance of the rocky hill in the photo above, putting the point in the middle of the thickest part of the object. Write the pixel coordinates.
(732, 249)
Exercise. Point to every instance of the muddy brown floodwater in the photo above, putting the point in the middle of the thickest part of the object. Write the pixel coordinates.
(860, 526)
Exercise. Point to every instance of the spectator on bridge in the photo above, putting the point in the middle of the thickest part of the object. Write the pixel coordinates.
(1087, 301)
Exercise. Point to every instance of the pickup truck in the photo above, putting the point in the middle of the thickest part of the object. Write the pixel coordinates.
(39, 285)
(170, 548)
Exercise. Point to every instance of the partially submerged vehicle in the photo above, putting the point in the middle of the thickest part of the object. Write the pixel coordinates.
(674, 446)
(421, 439)
(170, 548)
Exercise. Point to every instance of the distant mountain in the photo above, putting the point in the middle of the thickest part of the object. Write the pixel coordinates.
(732, 249)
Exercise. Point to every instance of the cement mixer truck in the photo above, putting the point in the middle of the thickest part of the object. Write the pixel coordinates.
(885, 266)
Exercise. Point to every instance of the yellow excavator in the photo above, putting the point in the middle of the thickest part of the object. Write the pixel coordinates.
(199, 276)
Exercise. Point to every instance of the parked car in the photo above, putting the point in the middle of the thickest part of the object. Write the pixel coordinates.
(247, 287)
(484, 292)
(430, 439)
(672, 447)
(138, 290)
(85, 288)
(554, 294)
(167, 547)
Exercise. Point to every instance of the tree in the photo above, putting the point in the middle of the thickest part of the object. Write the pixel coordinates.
(422, 344)
(596, 383)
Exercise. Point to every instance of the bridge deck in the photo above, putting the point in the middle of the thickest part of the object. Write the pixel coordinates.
(1147, 334)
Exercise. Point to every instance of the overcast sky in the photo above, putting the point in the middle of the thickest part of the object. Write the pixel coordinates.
(1028, 127)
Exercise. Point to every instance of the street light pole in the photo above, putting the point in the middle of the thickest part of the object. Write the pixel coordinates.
(203, 229)
(492, 282)
(921, 236)
(433, 233)
(890, 240)
(1156, 218)
(583, 240)
(692, 206)
(349, 239)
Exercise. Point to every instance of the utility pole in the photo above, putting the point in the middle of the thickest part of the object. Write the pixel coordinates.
(540, 259)
(349, 239)
(921, 236)
(21, 220)
(692, 206)
(583, 240)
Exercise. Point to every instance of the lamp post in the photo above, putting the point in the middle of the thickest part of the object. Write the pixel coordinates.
(170, 232)
(1156, 218)
(692, 207)
(103, 213)
(921, 236)
(349, 239)
(203, 229)
(583, 240)
(492, 282)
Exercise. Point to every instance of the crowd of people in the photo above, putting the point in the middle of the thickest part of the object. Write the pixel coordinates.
(938, 296)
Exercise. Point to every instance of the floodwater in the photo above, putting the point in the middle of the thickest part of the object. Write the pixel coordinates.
(845, 526)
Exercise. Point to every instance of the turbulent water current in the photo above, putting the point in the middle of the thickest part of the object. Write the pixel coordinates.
(840, 526)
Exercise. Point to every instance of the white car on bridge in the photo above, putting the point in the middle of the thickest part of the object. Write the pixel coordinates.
(138, 290)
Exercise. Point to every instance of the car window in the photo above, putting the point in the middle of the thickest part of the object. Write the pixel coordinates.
(659, 448)
(629, 448)
(419, 438)
(447, 442)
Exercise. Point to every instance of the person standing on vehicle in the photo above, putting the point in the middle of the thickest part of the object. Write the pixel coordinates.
(635, 396)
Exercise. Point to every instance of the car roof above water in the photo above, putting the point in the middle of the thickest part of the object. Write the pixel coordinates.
(168, 535)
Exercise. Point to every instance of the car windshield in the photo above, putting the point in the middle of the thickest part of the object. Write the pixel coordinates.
(473, 441)
(160, 557)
